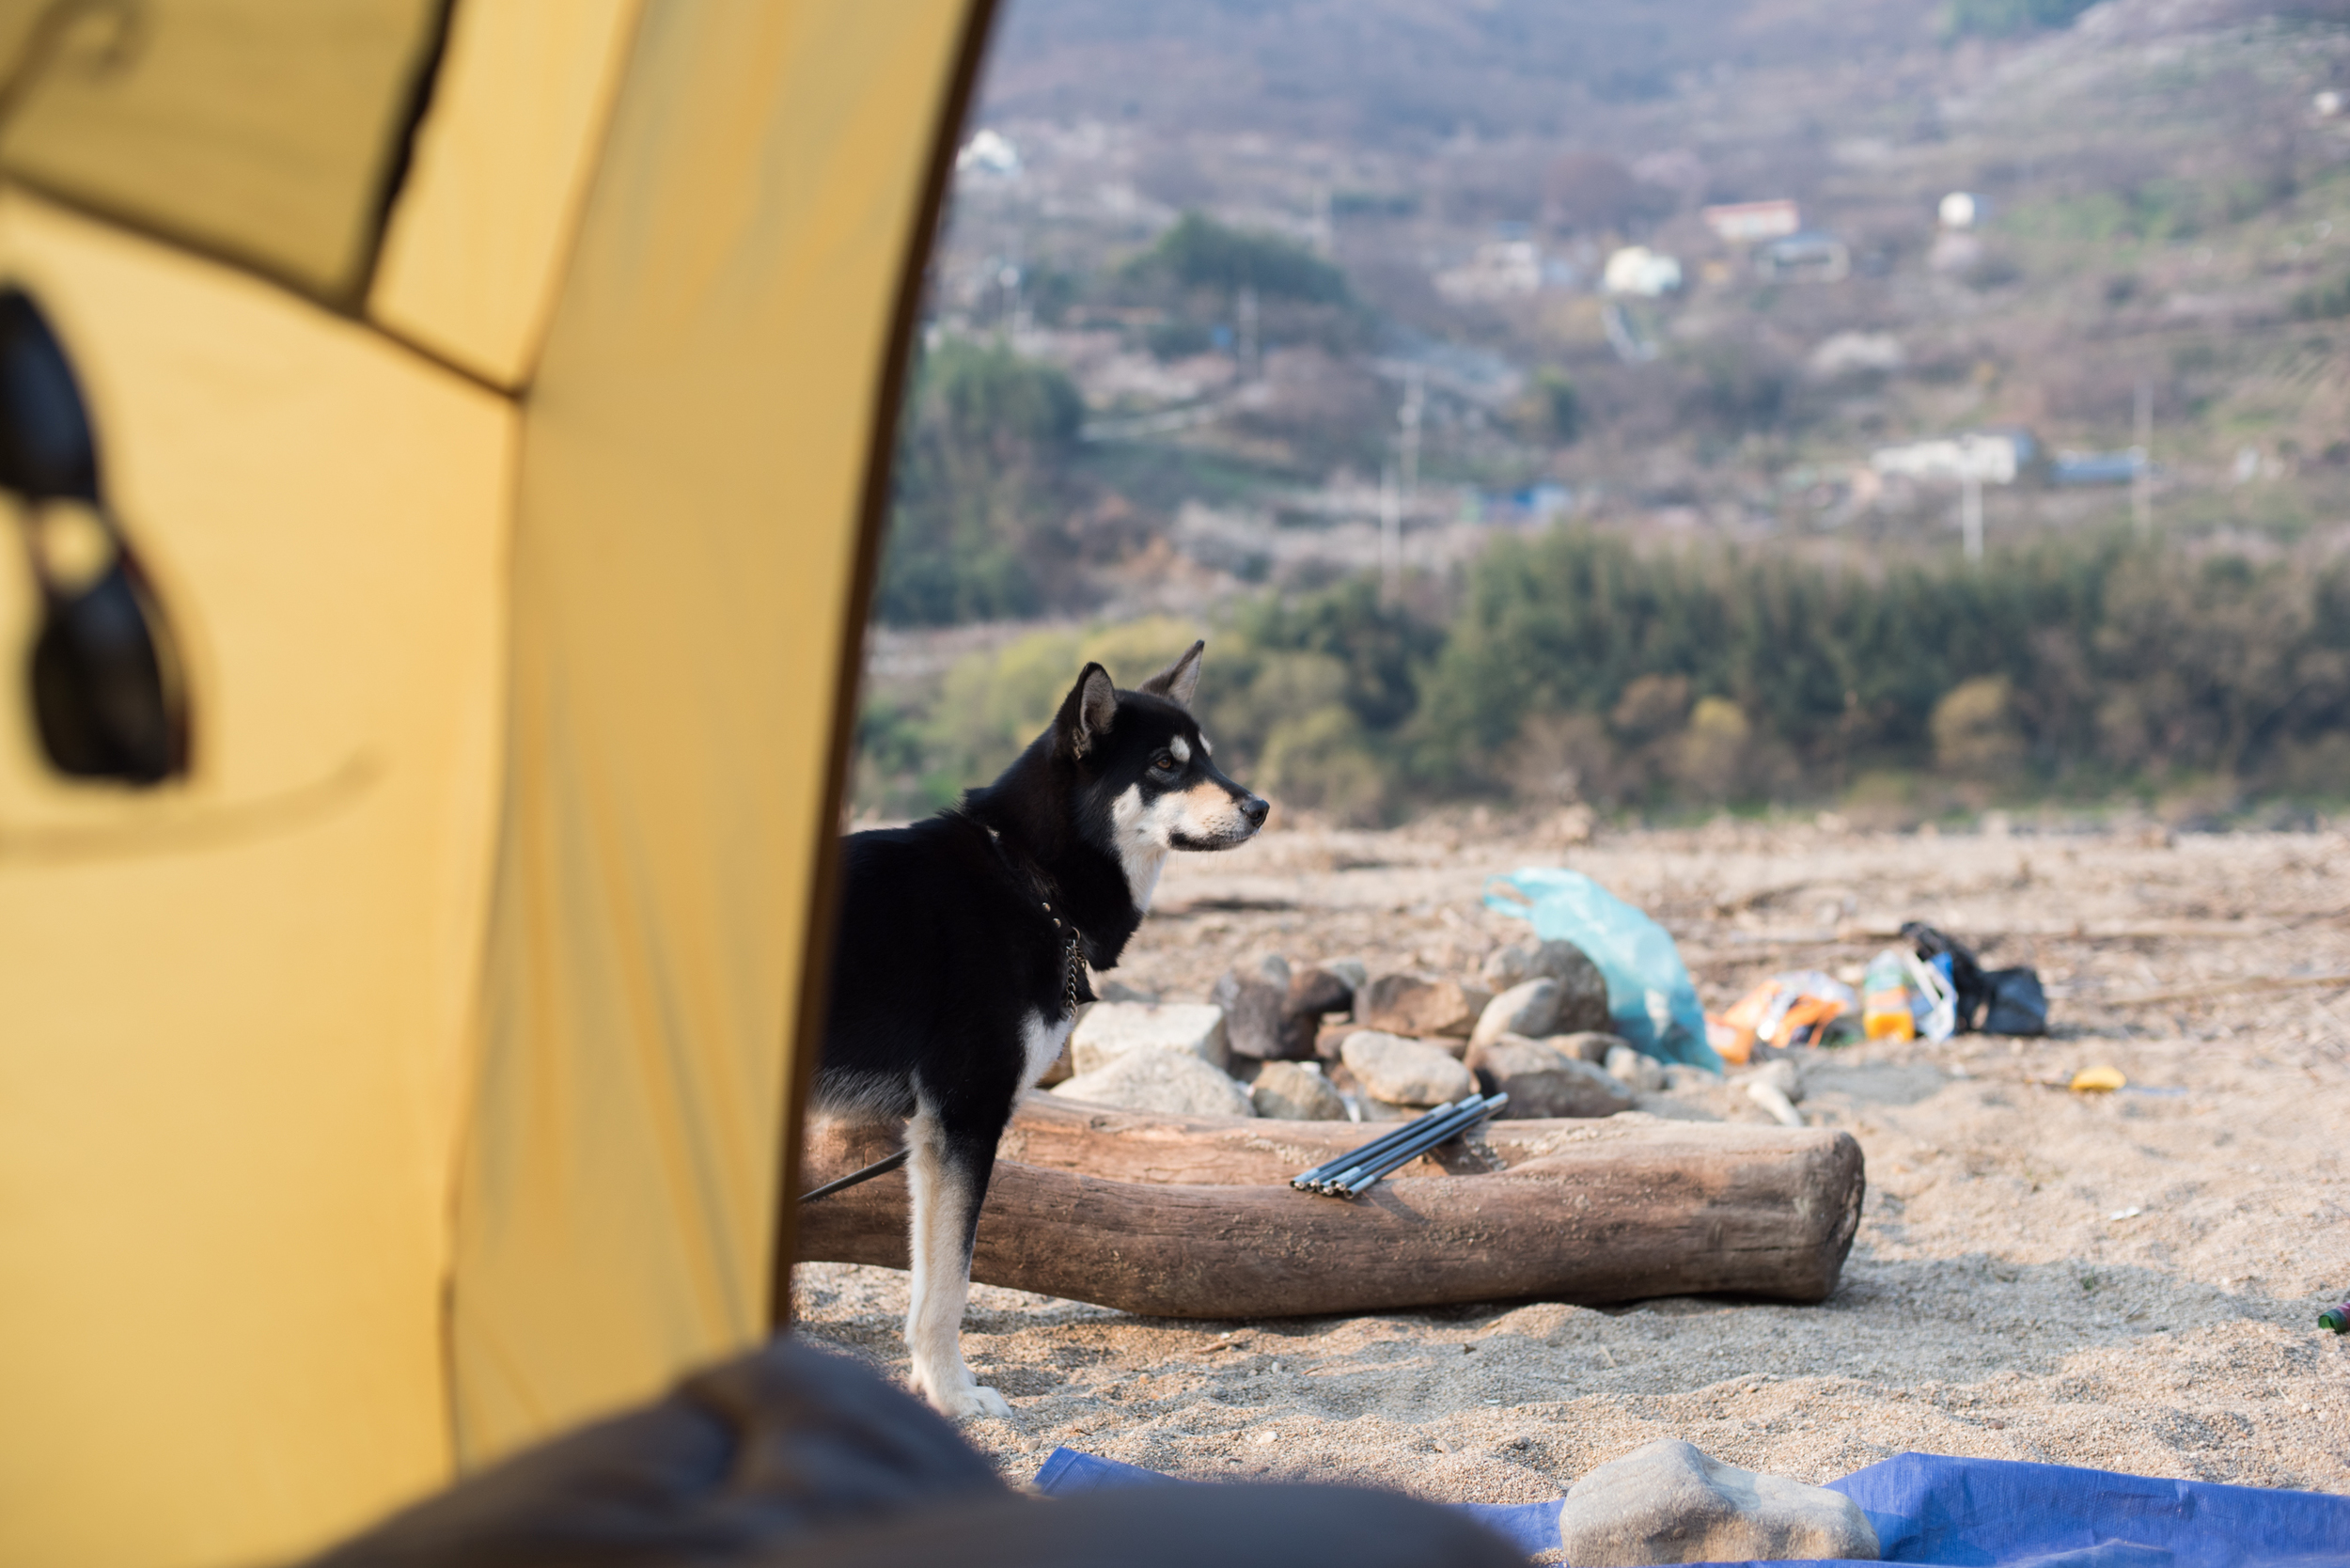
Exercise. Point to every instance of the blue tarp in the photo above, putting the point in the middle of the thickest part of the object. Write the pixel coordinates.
(1928, 1508)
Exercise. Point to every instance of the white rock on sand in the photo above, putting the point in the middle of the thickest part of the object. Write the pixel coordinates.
(1167, 1083)
(1405, 1072)
(1287, 1092)
(1668, 1502)
(2003, 1298)
(1110, 1029)
(1528, 1008)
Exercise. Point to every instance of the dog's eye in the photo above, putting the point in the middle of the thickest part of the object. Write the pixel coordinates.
(1163, 762)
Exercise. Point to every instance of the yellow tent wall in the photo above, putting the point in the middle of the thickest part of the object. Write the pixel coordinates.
(700, 431)
(415, 1075)
(231, 1062)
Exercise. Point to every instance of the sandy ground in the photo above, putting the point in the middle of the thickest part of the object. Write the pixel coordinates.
(2128, 1281)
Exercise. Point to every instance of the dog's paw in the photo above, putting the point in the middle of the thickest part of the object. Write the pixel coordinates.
(971, 1403)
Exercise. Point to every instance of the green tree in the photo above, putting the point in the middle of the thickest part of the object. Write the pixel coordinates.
(1200, 253)
(983, 489)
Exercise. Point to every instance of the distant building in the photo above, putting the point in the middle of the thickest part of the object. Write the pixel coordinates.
(1503, 269)
(989, 152)
(1638, 270)
(1809, 256)
(1991, 457)
(1750, 223)
(1960, 210)
(1846, 353)
(2076, 468)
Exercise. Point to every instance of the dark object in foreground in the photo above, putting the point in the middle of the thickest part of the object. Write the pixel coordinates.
(1353, 1174)
(2336, 1318)
(791, 1455)
(108, 699)
(1995, 1001)
(1205, 1224)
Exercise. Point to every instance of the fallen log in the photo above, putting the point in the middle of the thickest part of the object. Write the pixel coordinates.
(1590, 1212)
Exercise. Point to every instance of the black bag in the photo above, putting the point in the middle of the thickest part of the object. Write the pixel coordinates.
(2018, 1006)
(2002, 1001)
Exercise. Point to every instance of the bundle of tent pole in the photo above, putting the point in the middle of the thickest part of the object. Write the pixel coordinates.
(1354, 1173)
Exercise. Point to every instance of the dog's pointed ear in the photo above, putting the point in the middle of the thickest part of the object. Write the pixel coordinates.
(1087, 711)
(1177, 681)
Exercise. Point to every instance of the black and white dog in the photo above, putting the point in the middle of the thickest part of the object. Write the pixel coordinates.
(961, 957)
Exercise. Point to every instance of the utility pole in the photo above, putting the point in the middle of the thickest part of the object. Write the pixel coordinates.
(1414, 397)
(1970, 513)
(1391, 540)
(2143, 464)
(1008, 279)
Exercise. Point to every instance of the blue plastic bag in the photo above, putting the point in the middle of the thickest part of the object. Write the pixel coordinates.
(1649, 995)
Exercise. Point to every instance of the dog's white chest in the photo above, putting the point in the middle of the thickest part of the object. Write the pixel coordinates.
(1041, 1038)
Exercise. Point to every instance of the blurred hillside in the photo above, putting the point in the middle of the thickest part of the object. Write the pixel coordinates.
(1245, 313)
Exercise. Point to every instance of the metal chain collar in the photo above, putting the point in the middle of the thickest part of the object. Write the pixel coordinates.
(1073, 988)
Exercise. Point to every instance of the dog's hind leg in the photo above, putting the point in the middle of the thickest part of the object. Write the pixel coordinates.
(948, 1172)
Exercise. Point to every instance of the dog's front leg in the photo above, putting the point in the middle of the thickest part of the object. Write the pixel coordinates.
(948, 1172)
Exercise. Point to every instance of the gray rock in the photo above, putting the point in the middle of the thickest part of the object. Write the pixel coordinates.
(1543, 1081)
(1528, 1009)
(1319, 990)
(1273, 1013)
(1164, 1083)
(1582, 989)
(1288, 1092)
(1636, 1069)
(1254, 1025)
(1667, 1502)
(1110, 1029)
(1505, 968)
(1352, 970)
(1417, 1005)
(1405, 1072)
(1590, 1045)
